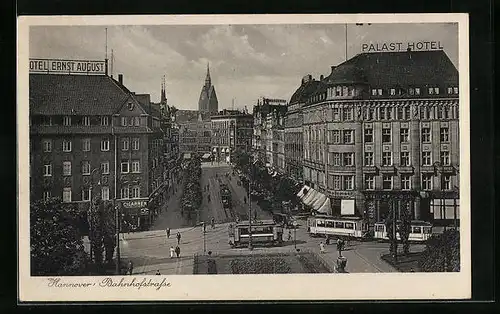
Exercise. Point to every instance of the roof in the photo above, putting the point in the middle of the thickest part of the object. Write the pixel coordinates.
(183, 116)
(396, 69)
(304, 91)
(62, 94)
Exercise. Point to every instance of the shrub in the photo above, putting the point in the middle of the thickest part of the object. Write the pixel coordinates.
(442, 253)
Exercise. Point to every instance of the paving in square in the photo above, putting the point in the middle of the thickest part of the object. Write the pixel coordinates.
(149, 250)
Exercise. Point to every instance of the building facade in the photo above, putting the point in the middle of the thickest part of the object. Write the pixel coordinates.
(208, 102)
(382, 130)
(89, 136)
(195, 138)
(294, 140)
(232, 131)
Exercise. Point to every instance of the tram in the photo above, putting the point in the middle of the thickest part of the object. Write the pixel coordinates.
(420, 231)
(324, 226)
(263, 232)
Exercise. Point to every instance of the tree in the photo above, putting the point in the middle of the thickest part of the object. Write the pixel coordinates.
(109, 231)
(405, 226)
(55, 239)
(442, 253)
(96, 232)
(390, 224)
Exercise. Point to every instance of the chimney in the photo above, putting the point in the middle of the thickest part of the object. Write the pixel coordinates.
(333, 67)
(120, 79)
(321, 77)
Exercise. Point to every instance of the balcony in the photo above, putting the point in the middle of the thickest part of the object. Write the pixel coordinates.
(370, 169)
(387, 169)
(406, 169)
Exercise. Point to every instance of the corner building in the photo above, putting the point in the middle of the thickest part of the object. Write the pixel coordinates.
(385, 126)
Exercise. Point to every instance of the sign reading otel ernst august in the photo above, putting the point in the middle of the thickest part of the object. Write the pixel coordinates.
(67, 66)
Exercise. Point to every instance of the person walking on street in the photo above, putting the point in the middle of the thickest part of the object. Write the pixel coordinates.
(177, 251)
(213, 223)
(289, 234)
(158, 272)
(245, 199)
(172, 251)
(168, 233)
(178, 238)
(130, 269)
(321, 247)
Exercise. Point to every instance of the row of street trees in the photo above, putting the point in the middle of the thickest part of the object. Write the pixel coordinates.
(191, 196)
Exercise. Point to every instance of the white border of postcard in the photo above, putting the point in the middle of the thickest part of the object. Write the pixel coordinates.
(380, 286)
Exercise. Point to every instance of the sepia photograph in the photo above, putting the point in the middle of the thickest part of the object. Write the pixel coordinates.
(288, 153)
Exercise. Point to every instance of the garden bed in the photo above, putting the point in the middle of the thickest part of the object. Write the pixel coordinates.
(278, 263)
(405, 263)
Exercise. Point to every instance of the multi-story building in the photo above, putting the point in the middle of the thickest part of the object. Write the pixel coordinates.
(260, 132)
(294, 141)
(90, 135)
(275, 144)
(195, 138)
(383, 127)
(231, 131)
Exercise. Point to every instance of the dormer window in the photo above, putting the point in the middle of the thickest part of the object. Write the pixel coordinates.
(124, 121)
(411, 91)
(417, 91)
(130, 106)
(86, 121)
(67, 120)
(374, 92)
(104, 121)
(450, 90)
(455, 90)
(393, 91)
(379, 91)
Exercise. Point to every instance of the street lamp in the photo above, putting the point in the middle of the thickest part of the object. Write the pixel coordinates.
(89, 214)
(442, 208)
(295, 234)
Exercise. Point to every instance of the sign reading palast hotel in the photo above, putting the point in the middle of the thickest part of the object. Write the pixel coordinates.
(400, 46)
(54, 66)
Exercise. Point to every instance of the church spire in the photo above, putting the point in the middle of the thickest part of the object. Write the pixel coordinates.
(208, 80)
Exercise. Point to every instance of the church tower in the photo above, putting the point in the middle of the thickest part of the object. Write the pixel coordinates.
(208, 102)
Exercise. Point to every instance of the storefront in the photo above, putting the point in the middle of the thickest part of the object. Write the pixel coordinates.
(135, 214)
(317, 201)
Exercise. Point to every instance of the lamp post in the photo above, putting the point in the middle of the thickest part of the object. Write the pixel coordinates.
(91, 209)
(295, 234)
(442, 208)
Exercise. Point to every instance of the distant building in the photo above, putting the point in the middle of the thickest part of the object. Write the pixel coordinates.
(208, 102)
(89, 135)
(195, 137)
(231, 131)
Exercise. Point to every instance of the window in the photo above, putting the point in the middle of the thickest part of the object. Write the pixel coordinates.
(387, 182)
(436, 90)
(85, 167)
(86, 144)
(47, 146)
(445, 158)
(125, 143)
(455, 90)
(347, 114)
(386, 135)
(348, 159)
(404, 135)
(124, 167)
(67, 120)
(46, 195)
(389, 113)
(444, 134)
(405, 182)
(104, 121)
(131, 121)
(426, 135)
(86, 195)
(411, 91)
(86, 121)
(105, 193)
(387, 159)
(426, 158)
(417, 91)
(105, 144)
(370, 182)
(124, 121)
(337, 183)
(66, 168)
(399, 113)
(336, 114)
(431, 90)
(136, 192)
(105, 167)
(405, 159)
(136, 121)
(348, 182)
(66, 146)
(135, 166)
(368, 158)
(393, 91)
(426, 182)
(67, 195)
(47, 170)
(446, 182)
(336, 136)
(379, 91)
(450, 90)
(374, 92)
(336, 159)
(368, 135)
(348, 136)
(382, 113)
(124, 192)
(135, 143)
(407, 113)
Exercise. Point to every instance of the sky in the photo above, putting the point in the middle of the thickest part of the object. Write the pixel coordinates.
(246, 61)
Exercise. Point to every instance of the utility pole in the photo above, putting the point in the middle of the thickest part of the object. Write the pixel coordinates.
(117, 222)
(394, 231)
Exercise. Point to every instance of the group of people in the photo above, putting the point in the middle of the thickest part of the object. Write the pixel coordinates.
(177, 250)
(340, 245)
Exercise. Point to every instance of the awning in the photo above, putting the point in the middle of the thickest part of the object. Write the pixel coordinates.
(227, 150)
(215, 149)
(326, 208)
(187, 155)
(317, 200)
(305, 188)
(206, 155)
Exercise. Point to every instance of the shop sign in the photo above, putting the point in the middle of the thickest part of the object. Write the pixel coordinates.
(342, 194)
(67, 66)
(400, 46)
(135, 204)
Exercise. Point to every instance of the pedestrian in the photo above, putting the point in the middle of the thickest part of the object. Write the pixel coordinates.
(321, 247)
(130, 269)
(178, 238)
(168, 233)
(245, 199)
(177, 251)
(158, 272)
(289, 234)
(213, 223)
(172, 251)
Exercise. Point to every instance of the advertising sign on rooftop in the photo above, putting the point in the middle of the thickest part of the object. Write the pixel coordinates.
(57, 66)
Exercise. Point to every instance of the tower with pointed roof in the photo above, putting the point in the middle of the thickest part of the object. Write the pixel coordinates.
(208, 102)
